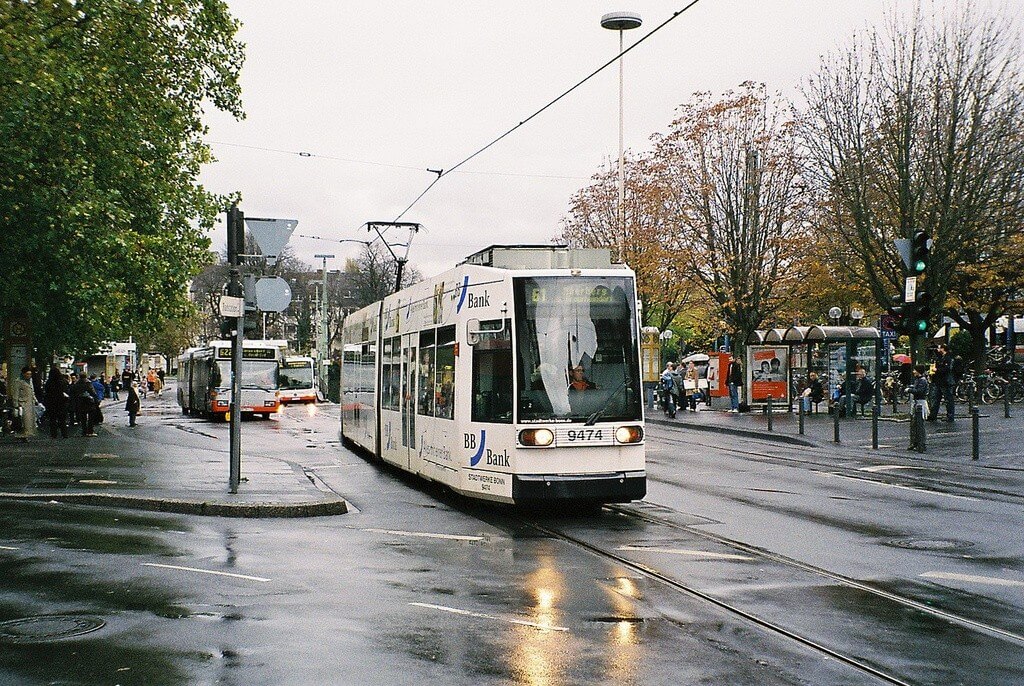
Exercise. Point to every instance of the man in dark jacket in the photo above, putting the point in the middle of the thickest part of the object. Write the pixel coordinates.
(84, 398)
(944, 384)
(133, 404)
(734, 378)
(56, 397)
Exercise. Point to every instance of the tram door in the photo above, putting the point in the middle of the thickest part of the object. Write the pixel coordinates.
(409, 358)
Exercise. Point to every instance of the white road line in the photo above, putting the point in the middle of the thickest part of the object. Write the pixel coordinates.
(420, 534)
(480, 615)
(205, 571)
(886, 468)
(906, 488)
(7, 547)
(970, 578)
(681, 551)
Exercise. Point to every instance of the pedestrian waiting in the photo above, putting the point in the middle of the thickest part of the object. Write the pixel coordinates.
(133, 403)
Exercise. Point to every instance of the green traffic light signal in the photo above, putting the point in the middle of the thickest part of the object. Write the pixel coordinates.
(922, 325)
(920, 246)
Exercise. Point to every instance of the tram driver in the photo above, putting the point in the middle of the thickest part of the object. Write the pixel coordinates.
(579, 380)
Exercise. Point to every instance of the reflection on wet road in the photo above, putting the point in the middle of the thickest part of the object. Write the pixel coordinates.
(418, 586)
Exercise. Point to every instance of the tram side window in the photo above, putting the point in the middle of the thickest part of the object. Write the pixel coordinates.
(492, 374)
(444, 374)
(391, 373)
(425, 382)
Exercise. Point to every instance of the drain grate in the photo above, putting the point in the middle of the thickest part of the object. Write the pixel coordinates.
(46, 628)
(937, 544)
(618, 620)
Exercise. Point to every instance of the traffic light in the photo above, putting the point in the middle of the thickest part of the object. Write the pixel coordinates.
(921, 312)
(920, 246)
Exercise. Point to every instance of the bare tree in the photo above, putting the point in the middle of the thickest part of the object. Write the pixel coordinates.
(738, 201)
(374, 273)
(915, 127)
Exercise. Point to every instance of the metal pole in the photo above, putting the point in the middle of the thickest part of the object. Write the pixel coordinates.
(922, 436)
(800, 413)
(975, 437)
(236, 244)
(835, 420)
(874, 427)
(1006, 398)
(770, 407)
(622, 171)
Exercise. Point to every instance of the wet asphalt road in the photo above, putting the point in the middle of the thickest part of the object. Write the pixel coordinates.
(749, 563)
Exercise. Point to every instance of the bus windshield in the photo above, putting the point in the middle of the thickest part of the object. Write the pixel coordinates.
(256, 374)
(577, 348)
(296, 376)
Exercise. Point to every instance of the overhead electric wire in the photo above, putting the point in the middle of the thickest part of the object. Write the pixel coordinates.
(441, 173)
(303, 153)
(579, 83)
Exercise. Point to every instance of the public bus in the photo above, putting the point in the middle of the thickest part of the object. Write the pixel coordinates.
(204, 379)
(296, 380)
(514, 377)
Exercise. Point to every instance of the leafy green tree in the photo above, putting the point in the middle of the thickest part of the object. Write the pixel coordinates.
(101, 105)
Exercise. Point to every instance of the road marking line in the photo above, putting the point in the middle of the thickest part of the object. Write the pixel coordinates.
(480, 615)
(970, 578)
(905, 488)
(680, 551)
(205, 571)
(886, 468)
(7, 547)
(419, 534)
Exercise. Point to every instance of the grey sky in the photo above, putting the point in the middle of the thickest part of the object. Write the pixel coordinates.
(424, 84)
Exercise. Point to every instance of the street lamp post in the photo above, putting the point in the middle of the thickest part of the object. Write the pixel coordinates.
(621, 22)
(322, 342)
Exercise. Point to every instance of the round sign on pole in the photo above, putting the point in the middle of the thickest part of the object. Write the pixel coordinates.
(273, 294)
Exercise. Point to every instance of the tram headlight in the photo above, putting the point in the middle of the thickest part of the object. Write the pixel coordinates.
(537, 437)
(629, 434)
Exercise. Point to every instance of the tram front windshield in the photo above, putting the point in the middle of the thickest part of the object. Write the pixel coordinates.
(577, 348)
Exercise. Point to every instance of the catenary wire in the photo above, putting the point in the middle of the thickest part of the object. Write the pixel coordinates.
(550, 104)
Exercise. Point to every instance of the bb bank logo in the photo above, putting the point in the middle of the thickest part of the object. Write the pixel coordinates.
(471, 443)
(494, 459)
(462, 294)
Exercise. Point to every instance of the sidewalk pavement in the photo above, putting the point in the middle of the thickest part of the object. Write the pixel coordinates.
(1001, 440)
(168, 463)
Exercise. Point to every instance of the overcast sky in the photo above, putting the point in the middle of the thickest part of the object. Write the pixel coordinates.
(401, 86)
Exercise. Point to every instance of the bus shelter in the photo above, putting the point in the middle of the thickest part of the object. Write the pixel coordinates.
(833, 352)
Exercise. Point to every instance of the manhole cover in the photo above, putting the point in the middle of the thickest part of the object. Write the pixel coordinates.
(931, 544)
(46, 628)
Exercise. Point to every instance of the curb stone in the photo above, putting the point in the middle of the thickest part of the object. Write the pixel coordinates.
(321, 508)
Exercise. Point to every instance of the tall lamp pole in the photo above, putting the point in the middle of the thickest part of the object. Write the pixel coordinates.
(322, 340)
(621, 22)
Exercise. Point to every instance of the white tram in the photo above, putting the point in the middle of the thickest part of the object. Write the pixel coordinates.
(297, 381)
(514, 377)
(204, 379)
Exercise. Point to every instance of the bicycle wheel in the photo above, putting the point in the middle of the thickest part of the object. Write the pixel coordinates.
(991, 393)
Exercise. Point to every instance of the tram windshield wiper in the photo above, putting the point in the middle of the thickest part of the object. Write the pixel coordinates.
(592, 419)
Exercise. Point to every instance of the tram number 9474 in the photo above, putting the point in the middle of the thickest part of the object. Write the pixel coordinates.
(583, 435)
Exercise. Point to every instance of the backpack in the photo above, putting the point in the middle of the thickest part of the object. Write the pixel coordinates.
(666, 382)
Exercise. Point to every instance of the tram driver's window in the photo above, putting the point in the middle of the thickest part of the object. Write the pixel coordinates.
(492, 373)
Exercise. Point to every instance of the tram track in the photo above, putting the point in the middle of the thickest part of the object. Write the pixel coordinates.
(730, 608)
(746, 548)
(922, 483)
(774, 627)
